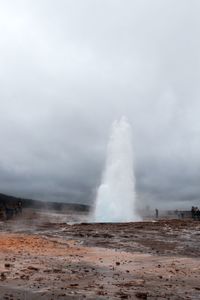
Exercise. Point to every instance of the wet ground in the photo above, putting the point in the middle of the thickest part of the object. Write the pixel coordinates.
(44, 258)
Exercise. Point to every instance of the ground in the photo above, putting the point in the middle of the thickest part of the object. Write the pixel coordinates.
(44, 259)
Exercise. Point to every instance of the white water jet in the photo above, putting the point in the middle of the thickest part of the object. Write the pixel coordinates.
(116, 196)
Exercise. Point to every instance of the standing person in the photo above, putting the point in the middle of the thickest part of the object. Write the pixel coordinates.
(156, 210)
(193, 212)
(19, 204)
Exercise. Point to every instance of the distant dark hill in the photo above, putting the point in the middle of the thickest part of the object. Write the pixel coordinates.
(30, 203)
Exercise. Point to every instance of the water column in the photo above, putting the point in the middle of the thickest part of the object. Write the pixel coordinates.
(115, 201)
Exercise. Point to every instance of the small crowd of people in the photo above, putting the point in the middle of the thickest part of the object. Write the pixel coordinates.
(195, 213)
(9, 211)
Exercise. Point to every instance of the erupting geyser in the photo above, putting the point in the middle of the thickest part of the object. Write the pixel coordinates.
(116, 195)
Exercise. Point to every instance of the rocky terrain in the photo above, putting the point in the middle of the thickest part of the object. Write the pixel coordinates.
(42, 257)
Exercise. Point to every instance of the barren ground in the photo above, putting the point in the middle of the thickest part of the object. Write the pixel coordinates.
(44, 259)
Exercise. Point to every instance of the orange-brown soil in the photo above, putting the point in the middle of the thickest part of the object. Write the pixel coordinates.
(143, 260)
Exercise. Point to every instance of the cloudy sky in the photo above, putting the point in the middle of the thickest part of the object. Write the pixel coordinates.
(68, 68)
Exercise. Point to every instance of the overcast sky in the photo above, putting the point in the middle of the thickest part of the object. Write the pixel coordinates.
(69, 68)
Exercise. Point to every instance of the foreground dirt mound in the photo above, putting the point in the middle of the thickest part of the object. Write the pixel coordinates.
(146, 260)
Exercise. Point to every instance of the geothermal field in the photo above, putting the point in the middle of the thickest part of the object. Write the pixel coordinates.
(44, 257)
(100, 150)
(108, 252)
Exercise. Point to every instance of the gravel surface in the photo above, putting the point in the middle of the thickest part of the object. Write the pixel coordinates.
(40, 259)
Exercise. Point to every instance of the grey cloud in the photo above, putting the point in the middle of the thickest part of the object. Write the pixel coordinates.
(69, 68)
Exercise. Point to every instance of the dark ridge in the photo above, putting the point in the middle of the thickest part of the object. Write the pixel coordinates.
(30, 203)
